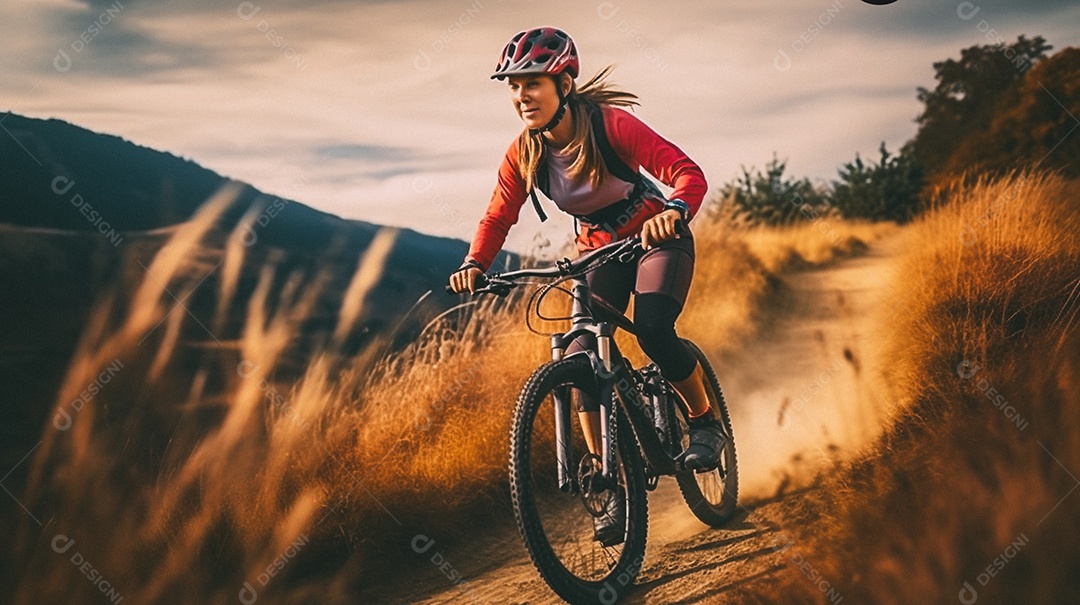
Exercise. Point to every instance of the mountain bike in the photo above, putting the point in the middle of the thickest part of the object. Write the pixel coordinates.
(557, 486)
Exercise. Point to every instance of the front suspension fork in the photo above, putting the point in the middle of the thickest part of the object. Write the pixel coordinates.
(608, 419)
(607, 407)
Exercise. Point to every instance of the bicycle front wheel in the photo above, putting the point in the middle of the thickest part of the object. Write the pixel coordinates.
(557, 526)
(714, 495)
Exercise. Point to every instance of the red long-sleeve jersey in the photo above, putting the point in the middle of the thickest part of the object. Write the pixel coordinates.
(636, 144)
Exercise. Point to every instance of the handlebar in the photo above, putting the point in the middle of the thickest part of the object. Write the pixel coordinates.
(624, 251)
(500, 284)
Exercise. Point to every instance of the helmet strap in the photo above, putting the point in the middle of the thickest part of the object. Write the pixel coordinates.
(555, 119)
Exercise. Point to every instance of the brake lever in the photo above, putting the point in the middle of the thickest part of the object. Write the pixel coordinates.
(490, 285)
(501, 289)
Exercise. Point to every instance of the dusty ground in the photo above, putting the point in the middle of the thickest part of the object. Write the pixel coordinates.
(802, 395)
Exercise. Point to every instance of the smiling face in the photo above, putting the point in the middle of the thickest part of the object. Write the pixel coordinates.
(535, 98)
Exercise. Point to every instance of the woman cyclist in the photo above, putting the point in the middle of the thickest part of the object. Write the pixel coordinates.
(571, 140)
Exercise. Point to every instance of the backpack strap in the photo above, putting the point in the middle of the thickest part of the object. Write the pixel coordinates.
(540, 181)
(536, 205)
(614, 163)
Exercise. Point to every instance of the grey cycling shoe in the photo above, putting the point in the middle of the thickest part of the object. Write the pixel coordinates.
(609, 529)
(707, 442)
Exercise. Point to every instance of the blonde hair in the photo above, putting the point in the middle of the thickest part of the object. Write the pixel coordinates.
(592, 96)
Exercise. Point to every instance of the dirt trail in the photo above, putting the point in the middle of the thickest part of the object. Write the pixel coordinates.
(801, 395)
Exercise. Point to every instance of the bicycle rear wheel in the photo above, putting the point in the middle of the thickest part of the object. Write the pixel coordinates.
(712, 496)
(557, 527)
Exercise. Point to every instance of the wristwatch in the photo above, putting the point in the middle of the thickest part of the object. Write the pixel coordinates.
(681, 206)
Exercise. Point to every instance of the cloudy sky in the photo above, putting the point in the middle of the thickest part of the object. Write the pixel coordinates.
(382, 110)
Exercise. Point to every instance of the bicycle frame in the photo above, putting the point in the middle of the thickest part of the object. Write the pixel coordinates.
(613, 376)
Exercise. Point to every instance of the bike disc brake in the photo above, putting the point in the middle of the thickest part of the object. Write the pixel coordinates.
(594, 495)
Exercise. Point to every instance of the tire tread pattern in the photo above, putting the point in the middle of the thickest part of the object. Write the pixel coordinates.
(691, 491)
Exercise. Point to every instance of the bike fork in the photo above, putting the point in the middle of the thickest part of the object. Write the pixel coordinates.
(567, 469)
(563, 438)
(563, 425)
(608, 436)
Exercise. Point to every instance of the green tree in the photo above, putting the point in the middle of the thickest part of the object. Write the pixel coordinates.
(771, 197)
(967, 96)
(888, 190)
(1037, 124)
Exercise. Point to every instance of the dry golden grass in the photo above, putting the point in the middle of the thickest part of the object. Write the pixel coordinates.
(815, 243)
(972, 483)
(185, 479)
(171, 492)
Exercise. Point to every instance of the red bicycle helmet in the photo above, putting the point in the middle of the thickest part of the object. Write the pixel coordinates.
(546, 50)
